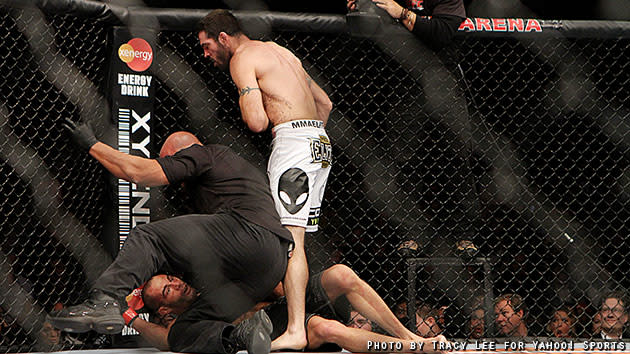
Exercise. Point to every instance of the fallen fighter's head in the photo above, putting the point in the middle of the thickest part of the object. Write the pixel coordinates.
(168, 294)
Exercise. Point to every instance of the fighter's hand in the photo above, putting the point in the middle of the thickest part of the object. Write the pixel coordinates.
(135, 303)
(351, 5)
(82, 134)
(134, 300)
(390, 6)
(129, 316)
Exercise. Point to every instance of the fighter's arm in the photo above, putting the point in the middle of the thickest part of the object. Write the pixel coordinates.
(135, 169)
(155, 334)
(322, 102)
(243, 71)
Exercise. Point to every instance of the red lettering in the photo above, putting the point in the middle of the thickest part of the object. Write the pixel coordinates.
(516, 24)
(483, 24)
(467, 25)
(533, 25)
(498, 24)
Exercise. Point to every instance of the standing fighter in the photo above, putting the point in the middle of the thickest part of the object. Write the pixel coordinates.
(275, 90)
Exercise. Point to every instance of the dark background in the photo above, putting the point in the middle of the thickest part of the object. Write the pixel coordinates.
(543, 9)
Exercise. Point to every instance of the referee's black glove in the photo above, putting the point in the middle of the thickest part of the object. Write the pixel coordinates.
(82, 134)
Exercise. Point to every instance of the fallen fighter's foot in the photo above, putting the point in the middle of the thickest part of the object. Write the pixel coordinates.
(100, 313)
(253, 334)
(288, 341)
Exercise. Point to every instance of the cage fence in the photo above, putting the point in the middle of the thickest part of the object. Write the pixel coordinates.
(517, 144)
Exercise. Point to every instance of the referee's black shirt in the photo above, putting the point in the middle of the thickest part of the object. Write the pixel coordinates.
(218, 180)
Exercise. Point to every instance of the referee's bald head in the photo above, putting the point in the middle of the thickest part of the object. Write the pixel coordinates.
(178, 141)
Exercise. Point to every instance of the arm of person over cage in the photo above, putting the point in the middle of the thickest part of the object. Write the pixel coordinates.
(243, 71)
(135, 169)
(436, 31)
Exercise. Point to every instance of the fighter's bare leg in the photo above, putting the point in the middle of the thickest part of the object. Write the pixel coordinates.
(341, 280)
(356, 340)
(295, 290)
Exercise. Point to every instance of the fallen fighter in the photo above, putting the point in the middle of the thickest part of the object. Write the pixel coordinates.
(328, 299)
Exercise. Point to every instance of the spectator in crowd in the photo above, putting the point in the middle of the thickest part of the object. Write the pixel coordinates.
(510, 315)
(400, 310)
(614, 315)
(427, 321)
(50, 335)
(358, 321)
(562, 323)
(52, 338)
(477, 324)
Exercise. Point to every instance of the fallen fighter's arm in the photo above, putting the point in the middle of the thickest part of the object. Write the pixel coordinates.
(155, 334)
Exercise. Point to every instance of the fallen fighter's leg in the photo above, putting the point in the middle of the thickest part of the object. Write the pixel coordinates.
(340, 280)
(320, 331)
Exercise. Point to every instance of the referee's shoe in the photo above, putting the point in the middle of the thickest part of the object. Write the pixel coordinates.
(253, 334)
(100, 312)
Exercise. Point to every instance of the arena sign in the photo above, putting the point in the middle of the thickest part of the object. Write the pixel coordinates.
(132, 97)
(501, 25)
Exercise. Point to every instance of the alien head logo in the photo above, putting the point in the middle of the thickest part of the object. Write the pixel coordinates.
(293, 189)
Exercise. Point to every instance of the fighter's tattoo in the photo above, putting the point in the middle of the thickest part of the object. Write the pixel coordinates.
(245, 90)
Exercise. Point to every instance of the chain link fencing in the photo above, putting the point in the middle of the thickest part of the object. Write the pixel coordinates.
(519, 144)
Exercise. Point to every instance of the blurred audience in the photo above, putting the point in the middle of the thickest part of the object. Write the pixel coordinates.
(510, 315)
(428, 321)
(358, 321)
(10, 332)
(614, 315)
(477, 324)
(562, 323)
(51, 338)
(400, 310)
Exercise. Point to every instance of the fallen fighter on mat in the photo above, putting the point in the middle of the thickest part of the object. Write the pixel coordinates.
(328, 299)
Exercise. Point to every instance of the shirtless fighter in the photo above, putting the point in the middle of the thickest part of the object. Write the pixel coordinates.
(276, 91)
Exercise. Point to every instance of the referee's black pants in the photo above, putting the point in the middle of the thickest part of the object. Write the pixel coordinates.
(232, 262)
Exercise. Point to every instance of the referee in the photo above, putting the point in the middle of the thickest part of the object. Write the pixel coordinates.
(233, 252)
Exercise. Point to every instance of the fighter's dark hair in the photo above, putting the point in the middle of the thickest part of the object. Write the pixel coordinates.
(218, 21)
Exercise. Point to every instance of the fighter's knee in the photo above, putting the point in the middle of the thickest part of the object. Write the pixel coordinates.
(324, 330)
(345, 278)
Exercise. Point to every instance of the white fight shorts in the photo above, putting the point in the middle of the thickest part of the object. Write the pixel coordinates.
(298, 169)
